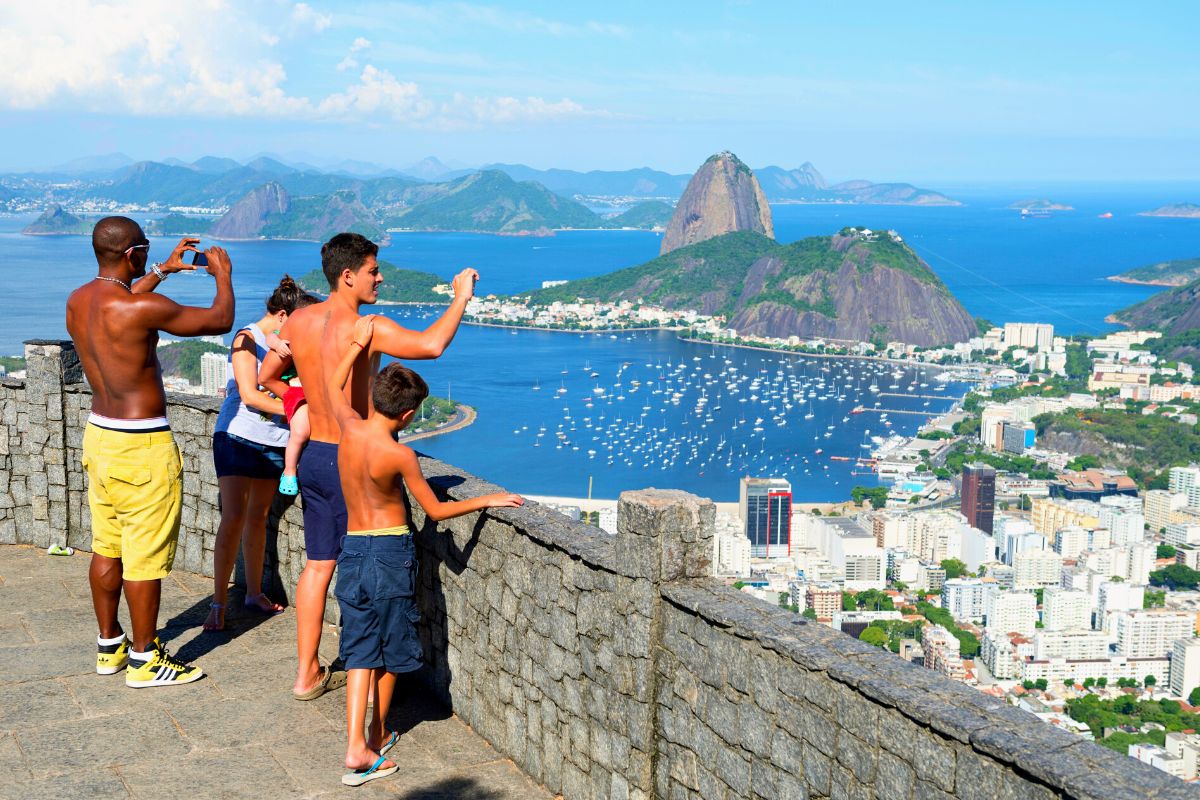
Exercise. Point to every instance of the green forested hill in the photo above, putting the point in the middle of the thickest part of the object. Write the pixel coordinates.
(651, 214)
(1164, 273)
(399, 285)
(178, 225)
(852, 286)
(183, 357)
(492, 202)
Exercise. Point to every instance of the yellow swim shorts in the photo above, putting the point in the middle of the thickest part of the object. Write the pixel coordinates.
(399, 530)
(135, 494)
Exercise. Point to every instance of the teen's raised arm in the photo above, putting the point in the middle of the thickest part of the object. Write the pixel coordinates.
(400, 342)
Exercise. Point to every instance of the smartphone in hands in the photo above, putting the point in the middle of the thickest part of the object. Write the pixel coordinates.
(199, 259)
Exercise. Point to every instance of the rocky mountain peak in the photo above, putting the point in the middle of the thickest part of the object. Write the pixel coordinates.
(246, 218)
(722, 197)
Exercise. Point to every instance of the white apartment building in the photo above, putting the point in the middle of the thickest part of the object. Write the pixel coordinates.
(1066, 609)
(1034, 569)
(1133, 562)
(942, 653)
(1011, 612)
(1182, 533)
(1160, 508)
(214, 373)
(1069, 542)
(1186, 481)
(1151, 634)
(866, 570)
(893, 528)
(1186, 748)
(1071, 645)
(964, 598)
(1114, 597)
(936, 535)
(1057, 670)
(999, 653)
(977, 547)
(733, 553)
(1122, 516)
(1029, 335)
(1185, 667)
(1158, 757)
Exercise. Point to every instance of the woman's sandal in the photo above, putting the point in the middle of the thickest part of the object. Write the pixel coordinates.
(220, 625)
(251, 602)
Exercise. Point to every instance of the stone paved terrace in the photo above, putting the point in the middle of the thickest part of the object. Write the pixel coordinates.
(66, 732)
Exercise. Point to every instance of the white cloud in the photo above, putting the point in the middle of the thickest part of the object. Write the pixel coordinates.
(350, 62)
(211, 58)
(305, 15)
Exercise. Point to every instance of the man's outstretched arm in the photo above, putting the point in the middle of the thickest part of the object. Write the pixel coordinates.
(400, 342)
(164, 314)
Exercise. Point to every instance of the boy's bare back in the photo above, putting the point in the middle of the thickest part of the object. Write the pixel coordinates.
(377, 472)
(371, 467)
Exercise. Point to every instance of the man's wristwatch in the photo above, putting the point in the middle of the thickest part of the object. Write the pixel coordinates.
(162, 276)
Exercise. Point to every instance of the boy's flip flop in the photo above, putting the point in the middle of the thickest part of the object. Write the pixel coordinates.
(359, 777)
(330, 679)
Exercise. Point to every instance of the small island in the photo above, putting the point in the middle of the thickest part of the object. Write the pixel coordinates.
(1165, 273)
(1040, 204)
(1181, 210)
(57, 221)
(400, 286)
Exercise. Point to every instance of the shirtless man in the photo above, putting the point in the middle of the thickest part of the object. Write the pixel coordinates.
(318, 336)
(133, 464)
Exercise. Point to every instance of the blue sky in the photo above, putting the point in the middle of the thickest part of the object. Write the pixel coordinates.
(923, 92)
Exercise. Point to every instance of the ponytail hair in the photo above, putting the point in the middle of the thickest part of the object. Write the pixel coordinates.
(286, 296)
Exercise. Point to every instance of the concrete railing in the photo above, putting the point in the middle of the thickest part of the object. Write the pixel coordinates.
(611, 666)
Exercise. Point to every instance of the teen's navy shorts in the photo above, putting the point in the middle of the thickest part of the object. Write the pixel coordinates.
(324, 504)
(376, 583)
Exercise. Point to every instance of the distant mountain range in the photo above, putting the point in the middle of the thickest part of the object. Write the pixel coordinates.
(215, 182)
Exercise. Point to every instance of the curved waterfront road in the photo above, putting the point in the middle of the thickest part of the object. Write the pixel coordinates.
(463, 416)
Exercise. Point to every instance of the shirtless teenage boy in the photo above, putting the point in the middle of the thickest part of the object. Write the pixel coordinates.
(318, 336)
(377, 572)
(132, 462)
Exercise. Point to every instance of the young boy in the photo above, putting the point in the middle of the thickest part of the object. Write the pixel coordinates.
(377, 568)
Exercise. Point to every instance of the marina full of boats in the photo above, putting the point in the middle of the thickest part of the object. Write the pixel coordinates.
(733, 412)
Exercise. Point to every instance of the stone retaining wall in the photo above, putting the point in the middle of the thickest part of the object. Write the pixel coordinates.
(611, 666)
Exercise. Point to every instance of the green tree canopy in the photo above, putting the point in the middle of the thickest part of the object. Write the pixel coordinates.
(954, 568)
(875, 636)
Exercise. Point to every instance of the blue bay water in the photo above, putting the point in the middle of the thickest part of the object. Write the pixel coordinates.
(1000, 266)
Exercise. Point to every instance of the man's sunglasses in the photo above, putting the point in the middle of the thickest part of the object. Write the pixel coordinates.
(133, 247)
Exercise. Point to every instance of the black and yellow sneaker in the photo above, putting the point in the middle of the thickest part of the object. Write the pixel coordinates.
(112, 658)
(161, 669)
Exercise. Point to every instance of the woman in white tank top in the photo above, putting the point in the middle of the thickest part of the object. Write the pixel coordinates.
(248, 447)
